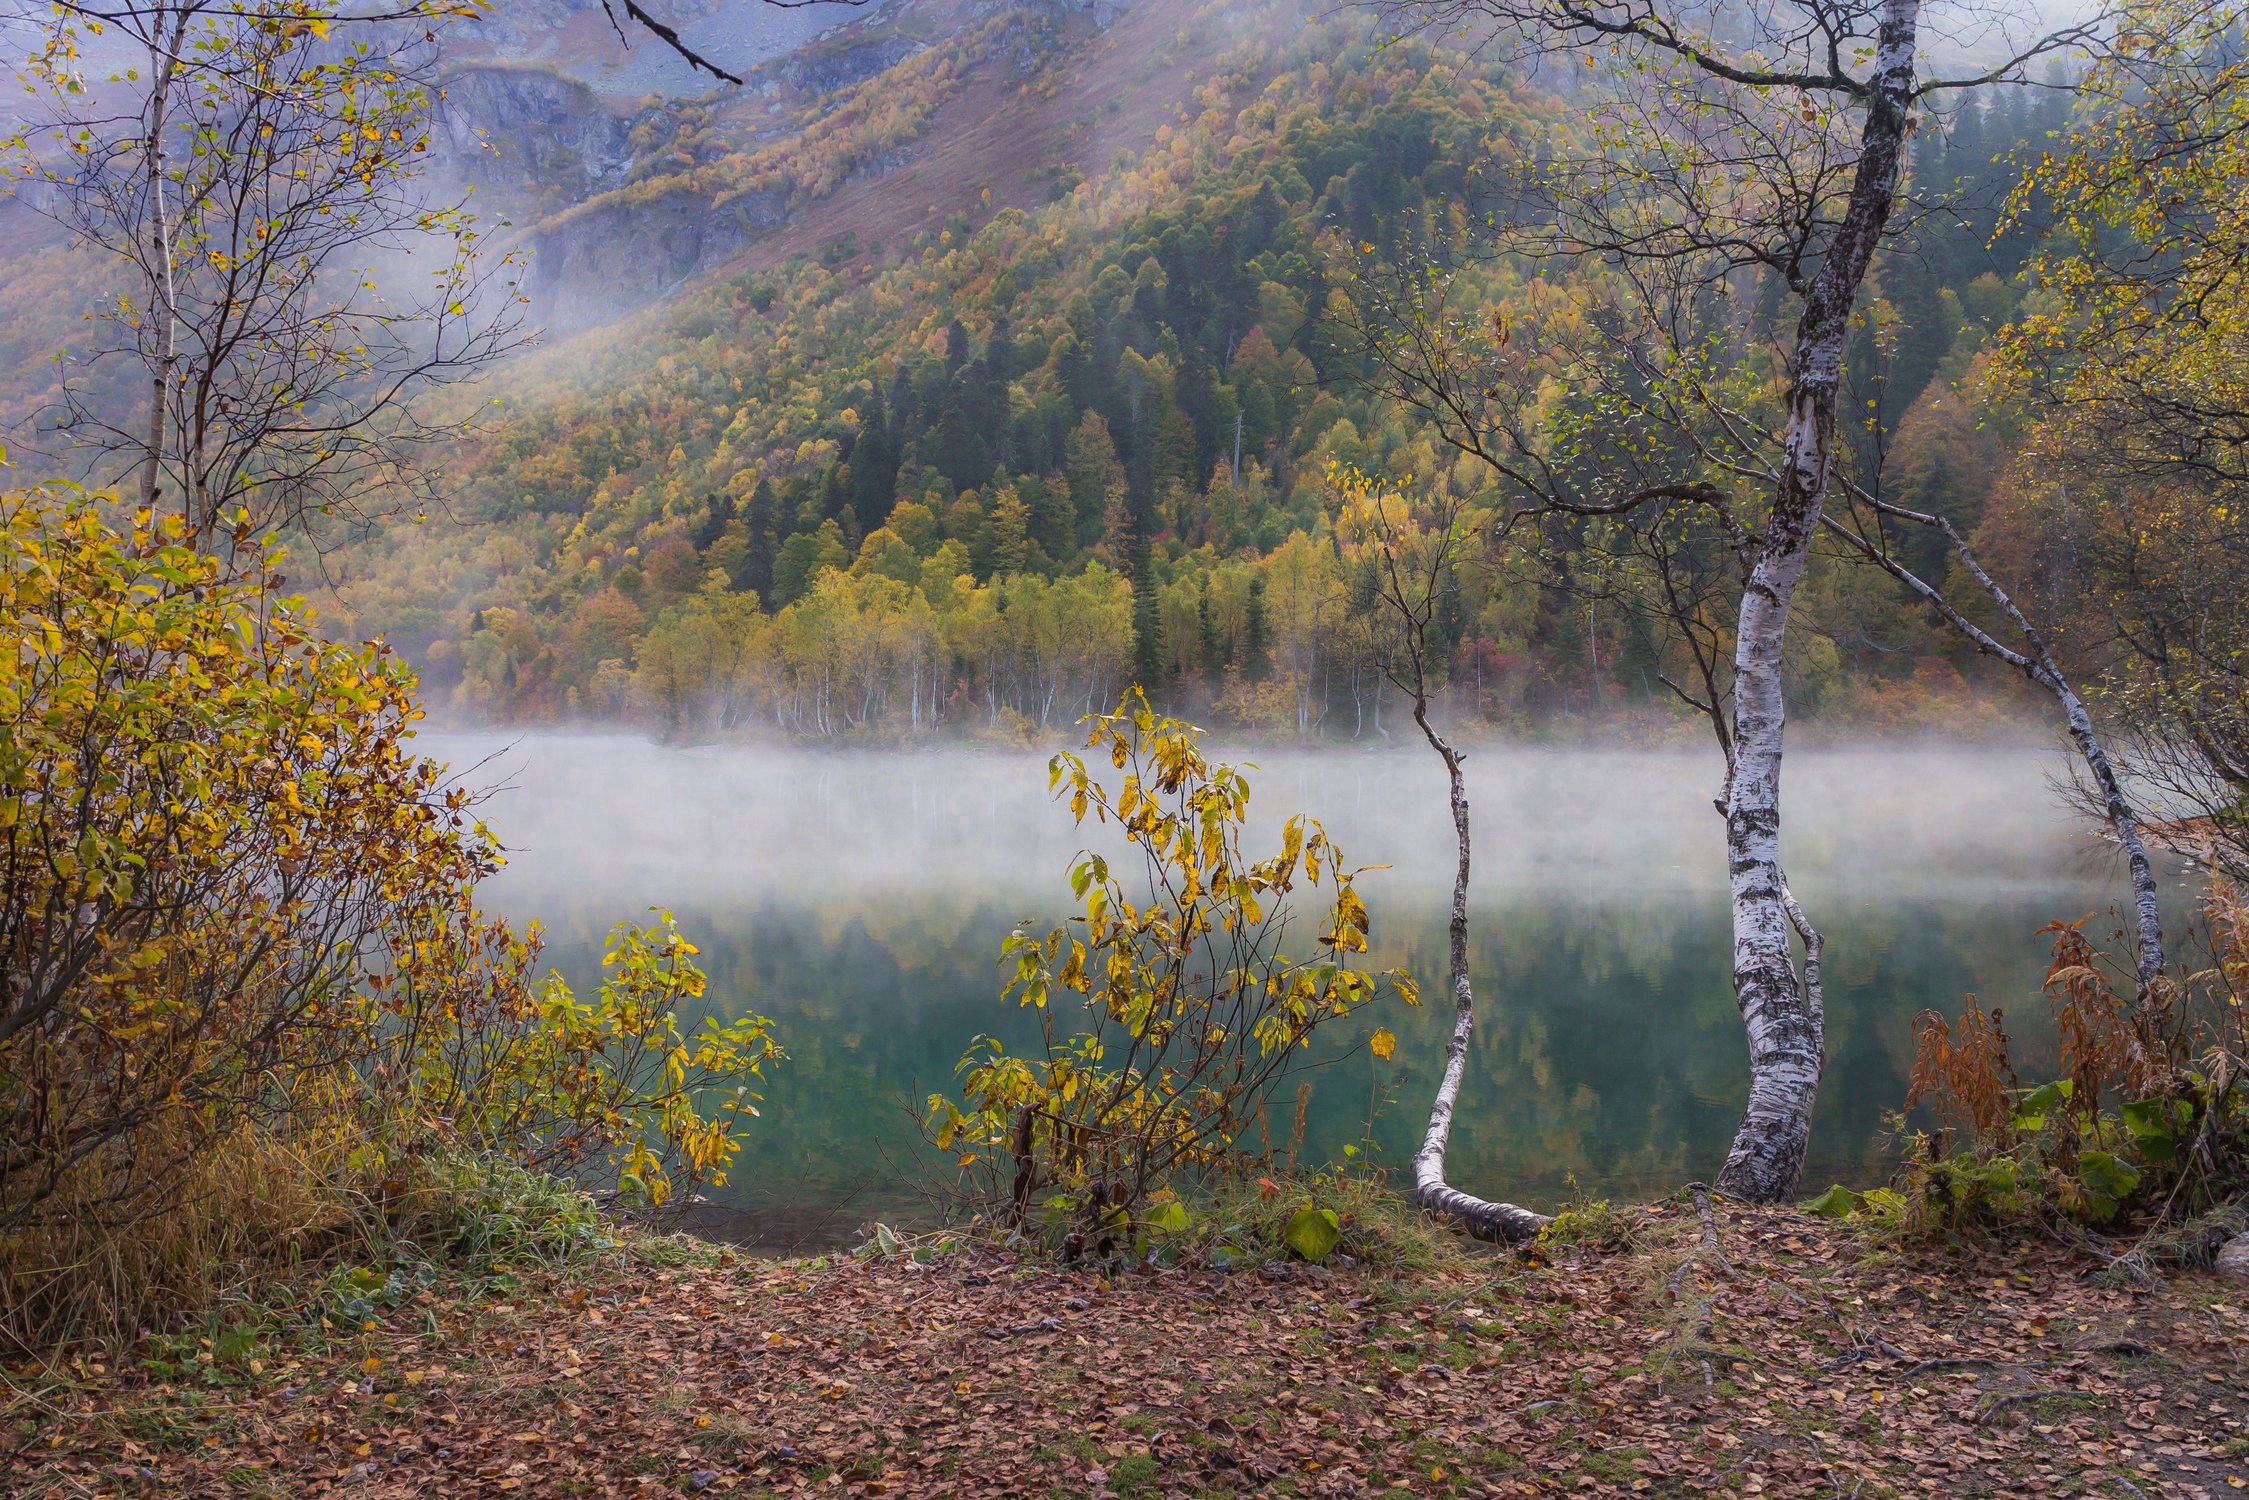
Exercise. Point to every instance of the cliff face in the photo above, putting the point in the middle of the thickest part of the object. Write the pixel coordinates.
(520, 129)
(619, 194)
(825, 69)
(607, 260)
(576, 39)
(613, 254)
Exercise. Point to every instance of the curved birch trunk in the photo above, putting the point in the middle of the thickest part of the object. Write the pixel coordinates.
(1484, 1219)
(1787, 1040)
(2037, 663)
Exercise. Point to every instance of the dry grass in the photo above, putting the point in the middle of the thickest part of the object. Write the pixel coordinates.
(238, 1215)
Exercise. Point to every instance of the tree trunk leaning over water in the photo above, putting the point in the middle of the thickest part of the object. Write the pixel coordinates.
(1787, 1041)
(2037, 663)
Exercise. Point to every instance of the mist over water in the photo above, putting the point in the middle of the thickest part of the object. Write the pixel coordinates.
(859, 898)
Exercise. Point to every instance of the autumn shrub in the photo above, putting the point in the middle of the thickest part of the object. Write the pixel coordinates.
(247, 996)
(1170, 1009)
(2147, 1124)
(1594, 1224)
(634, 1089)
(209, 814)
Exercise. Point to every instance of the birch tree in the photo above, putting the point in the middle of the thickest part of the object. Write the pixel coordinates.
(1735, 151)
(1867, 537)
(1408, 554)
(248, 165)
(255, 183)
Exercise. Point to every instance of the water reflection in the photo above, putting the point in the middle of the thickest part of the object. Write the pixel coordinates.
(859, 899)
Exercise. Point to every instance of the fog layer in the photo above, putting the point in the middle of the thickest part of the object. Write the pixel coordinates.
(662, 825)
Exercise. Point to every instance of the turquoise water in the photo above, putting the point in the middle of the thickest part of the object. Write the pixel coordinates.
(859, 899)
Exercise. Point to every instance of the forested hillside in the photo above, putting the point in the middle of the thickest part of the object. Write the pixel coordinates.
(981, 472)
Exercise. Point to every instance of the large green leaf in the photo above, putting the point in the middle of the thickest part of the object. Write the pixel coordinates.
(2030, 1114)
(2156, 1124)
(1313, 1233)
(2108, 1176)
(1836, 1203)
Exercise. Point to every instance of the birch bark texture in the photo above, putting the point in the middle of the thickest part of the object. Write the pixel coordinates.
(1787, 1036)
(163, 60)
(2037, 662)
(1483, 1218)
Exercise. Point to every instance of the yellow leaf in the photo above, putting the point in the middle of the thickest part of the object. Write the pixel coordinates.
(1383, 1043)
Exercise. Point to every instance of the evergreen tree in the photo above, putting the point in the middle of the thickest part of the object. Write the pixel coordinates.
(1177, 457)
(874, 465)
(962, 443)
(1257, 658)
(1206, 621)
(999, 355)
(1054, 522)
(1147, 623)
(714, 522)
(760, 521)
(1263, 220)
(1094, 475)
(1140, 462)
(1073, 365)
(835, 500)
(1008, 532)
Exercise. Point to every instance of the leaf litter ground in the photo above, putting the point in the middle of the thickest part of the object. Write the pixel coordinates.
(1762, 1352)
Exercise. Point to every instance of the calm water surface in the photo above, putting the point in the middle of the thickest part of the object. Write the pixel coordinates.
(859, 899)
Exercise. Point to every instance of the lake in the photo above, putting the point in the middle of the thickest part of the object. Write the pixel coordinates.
(859, 899)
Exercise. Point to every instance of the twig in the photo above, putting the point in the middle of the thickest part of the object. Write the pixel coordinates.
(2129, 1264)
(1712, 1252)
(1929, 1366)
(1862, 1350)
(1043, 1325)
(1999, 1404)
(1700, 1192)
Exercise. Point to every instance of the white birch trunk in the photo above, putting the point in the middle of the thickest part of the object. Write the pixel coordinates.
(2038, 664)
(1482, 1218)
(1787, 1042)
